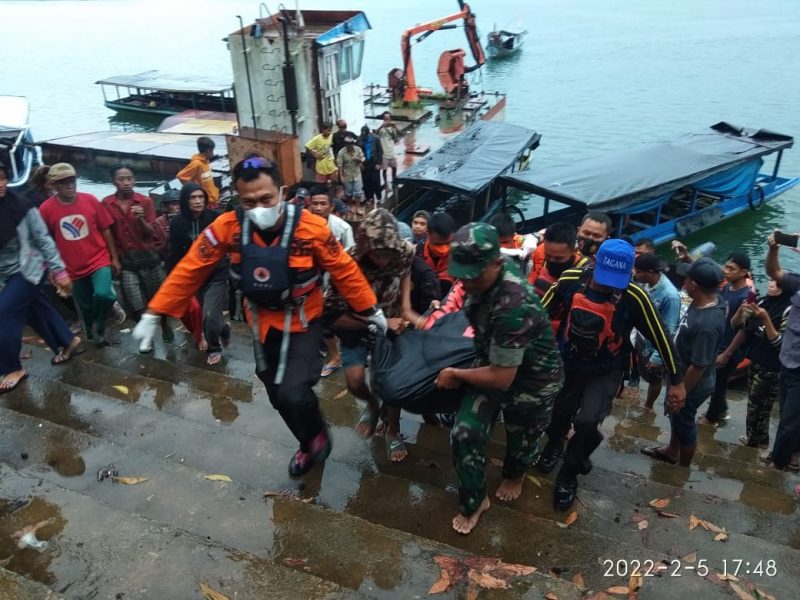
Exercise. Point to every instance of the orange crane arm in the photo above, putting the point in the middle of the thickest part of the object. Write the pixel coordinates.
(411, 93)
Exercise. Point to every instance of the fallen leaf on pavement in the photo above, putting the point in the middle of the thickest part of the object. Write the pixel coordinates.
(211, 594)
(635, 582)
(453, 567)
(618, 589)
(295, 562)
(660, 502)
(693, 522)
(764, 595)
(217, 477)
(442, 584)
(571, 518)
(643, 525)
(740, 592)
(727, 577)
(341, 394)
(534, 481)
(691, 557)
(122, 389)
(578, 580)
(636, 517)
(669, 515)
(721, 537)
(551, 596)
(487, 581)
(130, 480)
(514, 569)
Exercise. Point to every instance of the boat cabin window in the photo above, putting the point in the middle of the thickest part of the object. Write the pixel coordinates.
(345, 58)
(358, 56)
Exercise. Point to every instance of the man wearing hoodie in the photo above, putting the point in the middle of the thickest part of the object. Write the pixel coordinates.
(385, 260)
(134, 237)
(199, 170)
(185, 227)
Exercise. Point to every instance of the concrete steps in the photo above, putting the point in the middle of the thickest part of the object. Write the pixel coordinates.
(376, 526)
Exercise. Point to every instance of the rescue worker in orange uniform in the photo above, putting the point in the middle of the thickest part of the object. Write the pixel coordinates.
(279, 251)
(435, 250)
(559, 254)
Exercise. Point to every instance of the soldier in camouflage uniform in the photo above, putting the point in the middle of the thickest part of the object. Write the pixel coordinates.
(519, 370)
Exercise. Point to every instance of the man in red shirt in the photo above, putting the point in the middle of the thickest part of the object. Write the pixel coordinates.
(80, 226)
(134, 233)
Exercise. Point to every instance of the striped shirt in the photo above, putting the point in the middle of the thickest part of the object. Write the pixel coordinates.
(634, 310)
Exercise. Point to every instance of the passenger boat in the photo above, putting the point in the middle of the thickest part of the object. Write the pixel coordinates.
(460, 178)
(659, 190)
(501, 43)
(17, 150)
(157, 93)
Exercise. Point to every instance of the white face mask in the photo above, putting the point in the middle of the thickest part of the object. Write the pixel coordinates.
(265, 218)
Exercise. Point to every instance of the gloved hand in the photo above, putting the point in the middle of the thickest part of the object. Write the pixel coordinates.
(145, 331)
(377, 323)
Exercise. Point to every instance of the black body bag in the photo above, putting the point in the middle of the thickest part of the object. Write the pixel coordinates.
(403, 368)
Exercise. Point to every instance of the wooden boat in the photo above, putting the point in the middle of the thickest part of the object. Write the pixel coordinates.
(17, 150)
(659, 190)
(501, 43)
(460, 177)
(157, 93)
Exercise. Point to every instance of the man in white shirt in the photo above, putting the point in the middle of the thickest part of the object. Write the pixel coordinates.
(322, 205)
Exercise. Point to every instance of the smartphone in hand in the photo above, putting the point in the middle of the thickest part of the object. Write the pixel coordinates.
(786, 239)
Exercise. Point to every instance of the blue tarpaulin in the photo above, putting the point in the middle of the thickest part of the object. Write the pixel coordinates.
(733, 182)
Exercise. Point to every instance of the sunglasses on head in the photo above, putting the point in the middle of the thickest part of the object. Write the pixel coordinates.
(257, 162)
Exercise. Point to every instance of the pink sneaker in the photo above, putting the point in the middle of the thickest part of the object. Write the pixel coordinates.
(300, 464)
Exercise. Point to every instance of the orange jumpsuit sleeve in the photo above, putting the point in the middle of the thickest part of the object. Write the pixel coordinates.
(344, 271)
(188, 276)
(538, 262)
(188, 173)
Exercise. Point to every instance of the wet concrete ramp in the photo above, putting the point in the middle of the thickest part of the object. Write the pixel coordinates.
(362, 527)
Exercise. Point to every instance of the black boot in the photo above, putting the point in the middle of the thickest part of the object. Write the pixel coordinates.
(566, 489)
(593, 440)
(548, 459)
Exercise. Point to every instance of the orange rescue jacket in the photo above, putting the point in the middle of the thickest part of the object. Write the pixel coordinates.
(199, 171)
(313, 245)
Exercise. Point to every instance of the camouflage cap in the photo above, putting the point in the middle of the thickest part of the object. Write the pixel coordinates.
(474, 246)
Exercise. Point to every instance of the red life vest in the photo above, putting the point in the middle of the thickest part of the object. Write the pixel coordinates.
(588, 333)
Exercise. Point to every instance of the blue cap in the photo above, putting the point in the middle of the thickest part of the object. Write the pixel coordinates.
(614, 264)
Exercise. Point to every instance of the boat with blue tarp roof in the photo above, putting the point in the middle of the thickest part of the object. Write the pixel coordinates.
(660, 190)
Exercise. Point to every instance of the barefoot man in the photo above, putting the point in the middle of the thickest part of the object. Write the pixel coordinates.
(519, 371)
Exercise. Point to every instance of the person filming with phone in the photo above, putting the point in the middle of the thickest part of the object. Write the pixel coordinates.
(787, 437)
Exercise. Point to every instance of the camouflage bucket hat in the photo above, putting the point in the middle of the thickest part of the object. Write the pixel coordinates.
(474, 246)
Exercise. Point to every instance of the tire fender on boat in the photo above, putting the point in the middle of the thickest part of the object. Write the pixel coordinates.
(758, 190)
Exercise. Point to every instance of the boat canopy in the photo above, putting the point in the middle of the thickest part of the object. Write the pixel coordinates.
(167, 82)
(471, 161)
(720, 159)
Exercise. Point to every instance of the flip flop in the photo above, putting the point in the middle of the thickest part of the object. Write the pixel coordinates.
(329, 369)
(396, 445)
(214, 358)
(22, 378)
(655, 452)
(67, 355)
(370, 418)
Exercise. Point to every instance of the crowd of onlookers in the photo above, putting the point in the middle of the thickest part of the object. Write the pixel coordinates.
(603, 314)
